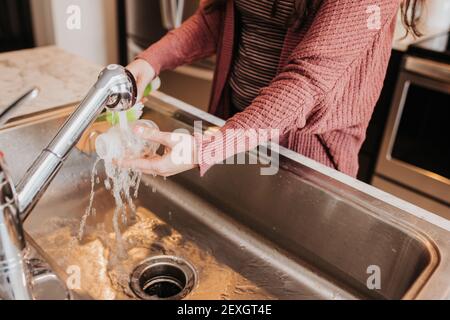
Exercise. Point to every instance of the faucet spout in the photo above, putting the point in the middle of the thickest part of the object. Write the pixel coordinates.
(116, 90)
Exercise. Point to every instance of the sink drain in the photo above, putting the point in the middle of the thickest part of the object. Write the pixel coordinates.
(163, 278)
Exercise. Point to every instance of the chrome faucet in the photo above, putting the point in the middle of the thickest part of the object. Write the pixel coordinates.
(116, 90)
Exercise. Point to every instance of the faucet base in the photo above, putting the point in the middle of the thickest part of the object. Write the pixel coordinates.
(14, 279)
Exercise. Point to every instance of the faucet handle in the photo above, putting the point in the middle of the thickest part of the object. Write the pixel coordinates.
(6, 112)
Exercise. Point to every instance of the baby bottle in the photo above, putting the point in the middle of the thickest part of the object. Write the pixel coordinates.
(118, 143)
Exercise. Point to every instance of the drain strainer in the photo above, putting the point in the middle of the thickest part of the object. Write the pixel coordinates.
(163, 278)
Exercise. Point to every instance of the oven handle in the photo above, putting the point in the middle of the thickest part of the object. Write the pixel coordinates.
(431, 69)
(172, 13)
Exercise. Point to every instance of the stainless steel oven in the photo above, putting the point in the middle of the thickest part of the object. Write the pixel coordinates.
(414, 162)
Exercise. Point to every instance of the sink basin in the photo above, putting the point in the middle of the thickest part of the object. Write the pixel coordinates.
(300, 234)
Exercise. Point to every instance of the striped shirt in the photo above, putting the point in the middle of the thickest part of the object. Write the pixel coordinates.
(260, 41)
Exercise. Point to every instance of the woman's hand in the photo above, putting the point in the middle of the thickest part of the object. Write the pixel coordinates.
(144, 73)
(179, 156)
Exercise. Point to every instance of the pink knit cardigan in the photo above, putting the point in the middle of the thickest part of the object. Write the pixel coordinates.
(330, 75)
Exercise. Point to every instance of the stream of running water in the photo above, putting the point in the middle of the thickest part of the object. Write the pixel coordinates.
(123, 183)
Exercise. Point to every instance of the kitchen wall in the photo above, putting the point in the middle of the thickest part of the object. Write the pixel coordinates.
(84, 27)
(97, 39)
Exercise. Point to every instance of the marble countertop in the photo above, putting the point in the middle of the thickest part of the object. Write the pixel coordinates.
(62, 78)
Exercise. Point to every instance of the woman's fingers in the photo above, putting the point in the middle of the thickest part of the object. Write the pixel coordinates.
(161, 166)
(141, 88)
(143, 73)
(154, 165)
(165, 138)
(169, 164)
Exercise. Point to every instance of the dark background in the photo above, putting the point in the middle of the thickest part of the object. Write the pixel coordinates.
(15, 25)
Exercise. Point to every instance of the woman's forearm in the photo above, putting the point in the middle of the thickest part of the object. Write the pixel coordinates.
(196, 38)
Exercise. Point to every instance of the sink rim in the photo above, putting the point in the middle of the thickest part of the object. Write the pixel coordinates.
(172, 105)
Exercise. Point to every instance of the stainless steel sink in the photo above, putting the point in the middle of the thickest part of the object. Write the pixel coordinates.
(46, 283)
(301, 234)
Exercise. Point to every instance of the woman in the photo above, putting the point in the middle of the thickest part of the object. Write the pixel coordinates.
(311, 69)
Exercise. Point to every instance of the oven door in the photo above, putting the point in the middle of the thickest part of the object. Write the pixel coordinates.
(415, 151)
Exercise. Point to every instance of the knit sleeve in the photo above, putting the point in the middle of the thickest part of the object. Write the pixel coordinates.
(195, 39)
(341, 33)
